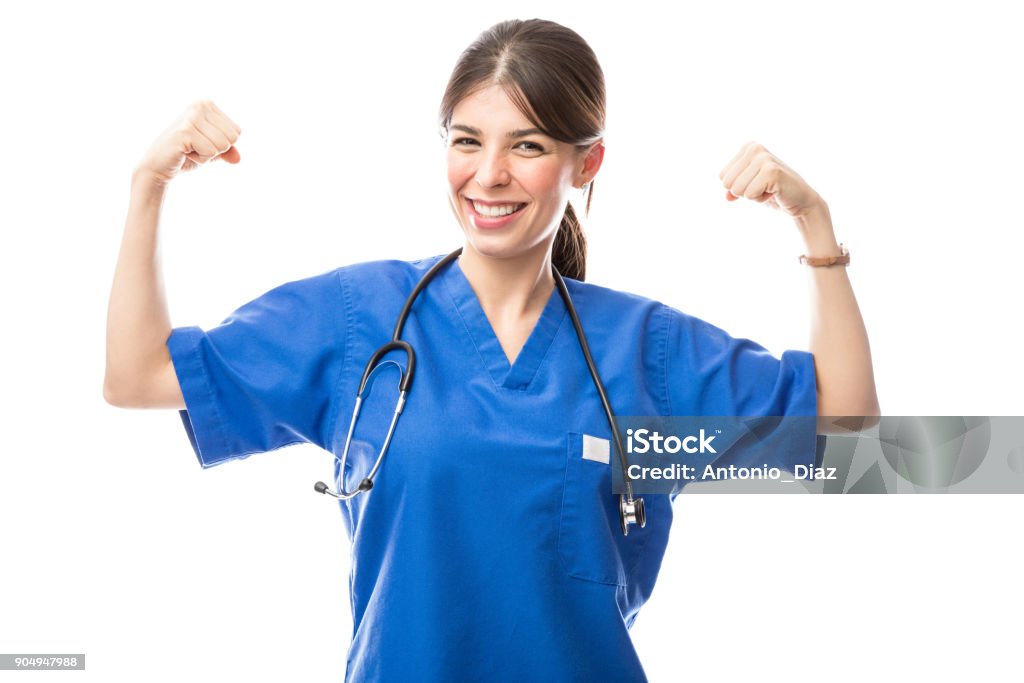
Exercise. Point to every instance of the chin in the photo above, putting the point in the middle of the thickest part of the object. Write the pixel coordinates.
(493, 248)
(506, 244)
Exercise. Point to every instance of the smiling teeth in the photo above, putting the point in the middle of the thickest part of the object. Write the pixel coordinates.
(496, 211)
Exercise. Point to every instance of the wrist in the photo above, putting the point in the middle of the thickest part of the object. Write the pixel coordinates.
(147, 182)
(815, 226)
(840, 259)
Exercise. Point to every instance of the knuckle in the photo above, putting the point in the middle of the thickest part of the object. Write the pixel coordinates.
(184, 134)
(198, 110)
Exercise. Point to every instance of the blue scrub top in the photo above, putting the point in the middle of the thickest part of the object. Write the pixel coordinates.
(488, 548)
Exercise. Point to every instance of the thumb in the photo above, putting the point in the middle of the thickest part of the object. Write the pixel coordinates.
(231, 156)
(730, 196)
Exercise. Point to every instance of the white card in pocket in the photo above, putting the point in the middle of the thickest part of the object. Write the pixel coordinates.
(597, 449)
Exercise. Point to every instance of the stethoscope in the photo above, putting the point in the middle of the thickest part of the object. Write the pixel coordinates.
(631, 510)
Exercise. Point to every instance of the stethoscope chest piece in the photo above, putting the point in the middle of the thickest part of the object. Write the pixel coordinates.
(631, 511)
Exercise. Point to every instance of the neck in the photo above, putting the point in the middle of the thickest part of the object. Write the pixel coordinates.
(509, 287)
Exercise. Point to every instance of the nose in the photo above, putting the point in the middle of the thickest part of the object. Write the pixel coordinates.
(492, 170)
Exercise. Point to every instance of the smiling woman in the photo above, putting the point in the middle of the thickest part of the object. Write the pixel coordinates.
(504, 174)
(509, 186)
(557, 567)
(560, 109)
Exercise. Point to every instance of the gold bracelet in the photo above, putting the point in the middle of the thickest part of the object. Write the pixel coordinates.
(841, 260)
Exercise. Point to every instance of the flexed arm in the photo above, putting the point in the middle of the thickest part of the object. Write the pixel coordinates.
(139, 373)
(839, 340)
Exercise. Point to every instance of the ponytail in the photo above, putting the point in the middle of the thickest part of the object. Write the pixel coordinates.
(569, 254)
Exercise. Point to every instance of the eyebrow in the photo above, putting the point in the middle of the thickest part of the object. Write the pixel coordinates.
(518, 133)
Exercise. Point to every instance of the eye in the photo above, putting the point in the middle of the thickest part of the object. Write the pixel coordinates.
(528, 146)
(463, 142)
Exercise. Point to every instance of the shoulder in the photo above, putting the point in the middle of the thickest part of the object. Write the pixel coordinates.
(604, 299)
(640, 314)
(386, 273)
(362, 276)
(630, 311)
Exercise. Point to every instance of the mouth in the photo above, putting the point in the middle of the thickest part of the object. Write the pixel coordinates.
(495, 209)
(493, 214)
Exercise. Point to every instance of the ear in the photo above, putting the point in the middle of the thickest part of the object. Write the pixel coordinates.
(589, 164)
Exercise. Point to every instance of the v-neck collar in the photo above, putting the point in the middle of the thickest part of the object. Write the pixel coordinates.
(521, 373)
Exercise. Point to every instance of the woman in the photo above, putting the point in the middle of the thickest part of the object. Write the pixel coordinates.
(489, 546)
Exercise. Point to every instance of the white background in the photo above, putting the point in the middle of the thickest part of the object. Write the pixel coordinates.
(906, 119)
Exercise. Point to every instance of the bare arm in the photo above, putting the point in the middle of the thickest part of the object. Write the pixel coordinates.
(839, 341)
(139, 372)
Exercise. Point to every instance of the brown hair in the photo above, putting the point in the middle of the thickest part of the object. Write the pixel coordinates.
(554, 78)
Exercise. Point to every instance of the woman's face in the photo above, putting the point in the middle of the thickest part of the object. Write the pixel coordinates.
(508, 183)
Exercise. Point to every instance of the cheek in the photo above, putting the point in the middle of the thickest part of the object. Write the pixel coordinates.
(546, 180)
(459, 171)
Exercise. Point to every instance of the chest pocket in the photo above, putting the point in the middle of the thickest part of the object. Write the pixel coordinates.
(590, 541)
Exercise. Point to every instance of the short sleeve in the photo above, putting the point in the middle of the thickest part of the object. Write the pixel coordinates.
(711, 373)
(265, 377)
